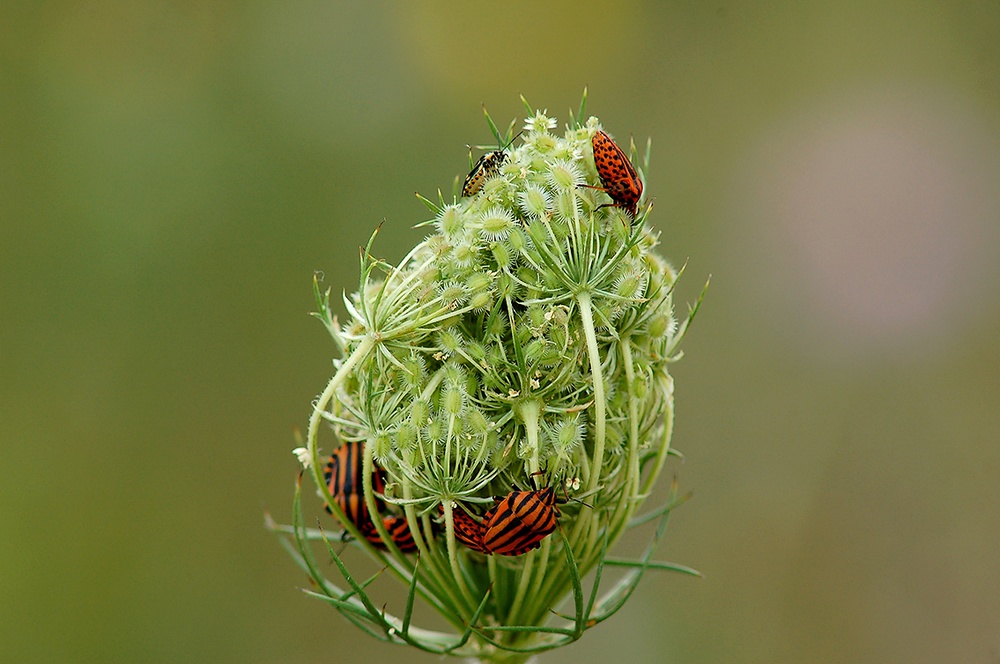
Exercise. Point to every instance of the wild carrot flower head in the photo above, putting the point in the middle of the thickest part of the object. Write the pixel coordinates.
(508, 380)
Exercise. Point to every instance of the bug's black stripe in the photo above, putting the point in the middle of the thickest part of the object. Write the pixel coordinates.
(522, 543)
(343, 476)
(520, 521)
(398, 530)
(534, 525)
(352, 469)
(468, 531)
(352, 486)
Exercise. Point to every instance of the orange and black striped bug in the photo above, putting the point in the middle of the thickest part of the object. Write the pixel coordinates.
(343, 476)
(519, 522)
(399, 531)
(620, 179)
(487, 166)
(468, 531)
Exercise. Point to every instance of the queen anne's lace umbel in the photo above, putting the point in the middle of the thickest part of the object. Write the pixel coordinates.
(523, 344)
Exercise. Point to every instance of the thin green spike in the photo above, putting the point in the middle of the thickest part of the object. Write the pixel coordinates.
(583, 106)
(493, 127)
(598, 571)
(509, 136)
(692, 312)
(574, 575)
(660, 565)
(658, 512)
(429, 204)
(362, 596)
(410, 595)
(527, 106)
(470, 628)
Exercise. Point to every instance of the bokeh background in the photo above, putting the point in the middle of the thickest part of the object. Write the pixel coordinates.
(172, 174)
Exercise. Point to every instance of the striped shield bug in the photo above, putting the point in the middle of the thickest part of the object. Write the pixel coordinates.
(519, 522)
(468, 531)
(343, 476)
(620, 179)
(399, 531)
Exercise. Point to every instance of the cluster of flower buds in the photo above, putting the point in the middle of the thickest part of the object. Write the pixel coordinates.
(506, 387)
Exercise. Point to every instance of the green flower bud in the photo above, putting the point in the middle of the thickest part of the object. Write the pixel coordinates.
(420, 412)
(502, 253)
(518, 240)
(406, 435)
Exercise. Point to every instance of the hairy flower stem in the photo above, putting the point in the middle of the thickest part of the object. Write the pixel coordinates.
(555, 584)
(667, 385)
(529, 411)
(400, 566)
(369, 497)
(426, 545)
(522, 588)
(600, 407)
(624, 509)
(366, 345)
(456, 569)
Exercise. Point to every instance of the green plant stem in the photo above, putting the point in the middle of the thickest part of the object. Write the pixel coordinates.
(600, 406)
(452, 544)
(555, 584)
(530, 411)
(668, 432)
(427, 549)
(522, 589)
(600, 413)
(366, 345)
(624, 509)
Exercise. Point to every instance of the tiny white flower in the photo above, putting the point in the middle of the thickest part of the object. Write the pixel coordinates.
(302, 454)
(540, 122)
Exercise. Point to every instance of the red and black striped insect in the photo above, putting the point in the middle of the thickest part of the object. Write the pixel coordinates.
(519, 522)
(343, 476)
(487, 166)
(468, 531)
(399, 531)
(620, 179)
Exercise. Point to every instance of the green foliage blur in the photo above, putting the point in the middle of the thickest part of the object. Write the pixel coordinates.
(172, 174)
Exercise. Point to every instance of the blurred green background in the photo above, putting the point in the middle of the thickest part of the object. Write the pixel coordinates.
(172, 174)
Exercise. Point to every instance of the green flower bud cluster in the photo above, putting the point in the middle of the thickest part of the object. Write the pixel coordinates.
(525, 342)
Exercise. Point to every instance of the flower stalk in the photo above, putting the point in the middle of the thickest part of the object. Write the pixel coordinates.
(522, 350)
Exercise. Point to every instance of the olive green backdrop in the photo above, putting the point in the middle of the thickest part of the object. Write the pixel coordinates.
(172, 174)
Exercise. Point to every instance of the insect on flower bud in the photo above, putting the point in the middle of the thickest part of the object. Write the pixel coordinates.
(518, 355)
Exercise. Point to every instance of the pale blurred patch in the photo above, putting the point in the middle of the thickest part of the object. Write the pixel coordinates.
(869, 222)
(479, 49)
(331, 70)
